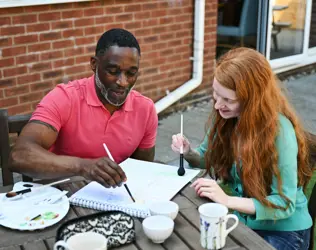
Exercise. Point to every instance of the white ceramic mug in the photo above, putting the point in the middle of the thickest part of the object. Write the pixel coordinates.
(213, 223)
(83, 241)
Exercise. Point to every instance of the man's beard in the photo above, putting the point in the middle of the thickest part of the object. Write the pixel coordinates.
(105, 91)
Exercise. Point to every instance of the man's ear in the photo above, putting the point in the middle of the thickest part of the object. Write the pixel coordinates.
(93, 63)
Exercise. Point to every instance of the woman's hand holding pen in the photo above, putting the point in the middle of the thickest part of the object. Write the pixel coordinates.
(178, 141)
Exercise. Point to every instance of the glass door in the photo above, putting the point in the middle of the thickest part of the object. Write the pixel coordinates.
(287, 38)
(312, 30)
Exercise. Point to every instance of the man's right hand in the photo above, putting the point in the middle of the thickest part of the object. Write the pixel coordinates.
(103, 171)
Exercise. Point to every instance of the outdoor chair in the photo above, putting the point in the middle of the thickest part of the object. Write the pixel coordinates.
(247, 25)
(9, 124)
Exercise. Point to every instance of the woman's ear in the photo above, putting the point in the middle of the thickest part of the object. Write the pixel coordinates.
(93, 63)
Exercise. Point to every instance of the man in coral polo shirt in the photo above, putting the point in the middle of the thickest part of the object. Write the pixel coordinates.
(67, 130)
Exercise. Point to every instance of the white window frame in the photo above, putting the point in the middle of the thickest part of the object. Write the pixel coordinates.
(19, 3)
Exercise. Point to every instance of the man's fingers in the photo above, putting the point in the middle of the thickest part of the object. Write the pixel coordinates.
(114, 170)
(98, 179)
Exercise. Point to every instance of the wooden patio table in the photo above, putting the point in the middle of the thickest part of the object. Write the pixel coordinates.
(185, 236)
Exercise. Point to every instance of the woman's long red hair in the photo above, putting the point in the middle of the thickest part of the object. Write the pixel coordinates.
(250, 139)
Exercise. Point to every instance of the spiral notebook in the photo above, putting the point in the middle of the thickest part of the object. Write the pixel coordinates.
(147, 181)
(97, 197)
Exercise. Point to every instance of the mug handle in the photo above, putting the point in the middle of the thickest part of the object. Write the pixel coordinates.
(61, 243)
(231, 216)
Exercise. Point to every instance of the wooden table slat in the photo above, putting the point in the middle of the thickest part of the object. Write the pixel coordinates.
(175, 243)
(35, 245)
(50, 242)
(187, 233)
(246, 237)
(11, 248)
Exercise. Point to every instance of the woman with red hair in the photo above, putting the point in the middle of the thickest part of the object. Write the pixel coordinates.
(256, 145)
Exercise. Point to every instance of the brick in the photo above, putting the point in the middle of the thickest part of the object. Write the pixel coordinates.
(26, 39)
(31, 97)
(150, 22)
(124, 17)
(160, 29)
(185, 33)
(166, 20)
(132, 8)
(38, 47)
(159, 13)
(28, 78)
(85, 40)
(72, 14)
(62, 24)
(75, 69)
(84, 22)
(23, 19)
(82, 5)
(20, 109)
(8, 102)
(37, 27)
(51, 16)
(93, 12)
(37, 8)
(5, 21)
(52, 74)
(104, 19)
(69, 52)
(17, 90)
(5, 42)
(159, 61)
(42, 66)
(82, 59)
(94, 30)
(8, 11)
(133, 25)
(7, 62)
(64, 62)
(27, 58)
(142, 15)
(15, 71)
(63, 44)
(114, 10)
(150, 6)
(12, 30)
(142, 32)
(167, 36)
(1, 94)
(174, 43)
(151, 39)
(151, 71)
(50, 36)
(7, 83)
(161, 45)
(51, 55)
(72, 33)
(41, 86)
(90, 49)
(62, 6)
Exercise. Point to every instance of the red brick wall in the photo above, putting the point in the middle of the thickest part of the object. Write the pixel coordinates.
(41, 46)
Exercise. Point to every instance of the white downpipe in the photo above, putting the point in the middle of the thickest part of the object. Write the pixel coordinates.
(198, 48)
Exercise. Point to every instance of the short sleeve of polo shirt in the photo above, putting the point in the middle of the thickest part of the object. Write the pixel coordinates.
(149, 139)
(54, 109)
